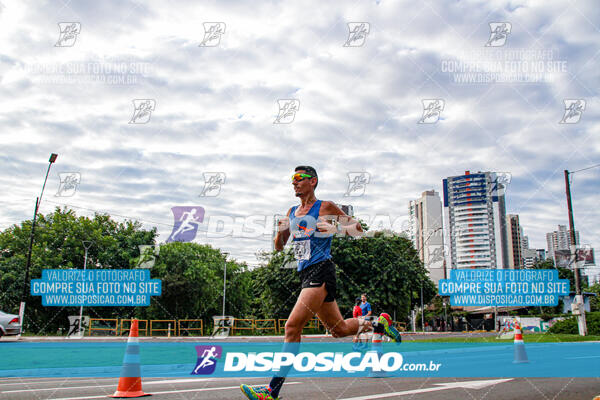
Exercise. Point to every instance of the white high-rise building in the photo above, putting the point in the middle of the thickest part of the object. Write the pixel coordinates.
(425, 217)
(530, 256)
(559, 240)
(475, 221)
(525, 240)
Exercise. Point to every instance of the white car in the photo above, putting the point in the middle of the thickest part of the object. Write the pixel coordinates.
(9, 324)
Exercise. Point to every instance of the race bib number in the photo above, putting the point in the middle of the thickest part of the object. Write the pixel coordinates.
(302, 250)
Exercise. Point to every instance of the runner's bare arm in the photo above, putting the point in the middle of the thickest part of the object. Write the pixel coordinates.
(347, 224)
(283, 232)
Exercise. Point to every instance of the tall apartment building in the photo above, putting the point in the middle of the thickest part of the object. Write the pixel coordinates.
(475, 221)
(425, 217)
(515, 242)
(530, 256)
(524, 240)
(559, 240)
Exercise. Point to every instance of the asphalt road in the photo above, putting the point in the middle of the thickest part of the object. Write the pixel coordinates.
(332, 388)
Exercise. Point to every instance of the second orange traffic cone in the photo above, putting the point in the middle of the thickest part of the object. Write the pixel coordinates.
(130, 382)
(520, 354)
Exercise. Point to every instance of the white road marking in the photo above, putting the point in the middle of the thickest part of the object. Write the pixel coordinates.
(441, 386)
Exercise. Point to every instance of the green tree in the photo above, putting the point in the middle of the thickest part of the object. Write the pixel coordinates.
(594, 300)
(58, 243)
(276, 286)
(192, 284)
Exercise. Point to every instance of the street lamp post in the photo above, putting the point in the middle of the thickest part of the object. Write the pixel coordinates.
(573, 239)
(224, 281)
(422, 248)
(38, 202)
(86, 245)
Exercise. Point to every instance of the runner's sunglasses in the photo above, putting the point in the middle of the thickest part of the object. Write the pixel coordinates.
(299, 177)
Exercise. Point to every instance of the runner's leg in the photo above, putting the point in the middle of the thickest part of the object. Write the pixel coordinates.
(308, 303)
(331, 317)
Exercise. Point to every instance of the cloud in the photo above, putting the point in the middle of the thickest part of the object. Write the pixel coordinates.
(359, 107)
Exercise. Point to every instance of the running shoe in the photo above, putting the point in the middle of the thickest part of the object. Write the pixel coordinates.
(257, 392)
(389, 328)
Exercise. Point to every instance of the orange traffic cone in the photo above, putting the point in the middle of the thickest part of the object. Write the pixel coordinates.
(130, 382)
(520, 354)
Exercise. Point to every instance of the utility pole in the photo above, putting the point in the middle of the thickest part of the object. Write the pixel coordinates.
(86, 245)
(578, 297)
(224, 281)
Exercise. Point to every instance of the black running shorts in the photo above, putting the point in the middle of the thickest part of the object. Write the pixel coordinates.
(316, 274)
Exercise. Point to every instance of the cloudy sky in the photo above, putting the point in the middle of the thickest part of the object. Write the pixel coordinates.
(214, 101)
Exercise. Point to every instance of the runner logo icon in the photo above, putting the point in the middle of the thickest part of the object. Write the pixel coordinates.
(207, 359)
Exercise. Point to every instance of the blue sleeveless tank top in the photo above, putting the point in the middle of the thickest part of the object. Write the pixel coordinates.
(310, 246)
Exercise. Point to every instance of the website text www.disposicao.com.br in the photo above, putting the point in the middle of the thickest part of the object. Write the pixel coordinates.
(323, 362)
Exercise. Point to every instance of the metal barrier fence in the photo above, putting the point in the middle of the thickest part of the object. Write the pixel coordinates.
(313, 323)
(259, 325)
(167, 330)
(195, 327)
(189, 329)
(112, 330)
(237, 327)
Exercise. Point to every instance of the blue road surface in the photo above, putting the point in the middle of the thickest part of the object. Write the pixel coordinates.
(43, 360)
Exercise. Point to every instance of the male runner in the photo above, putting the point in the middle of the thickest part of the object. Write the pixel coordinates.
(311, 227)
